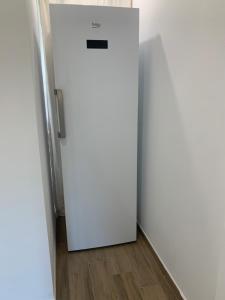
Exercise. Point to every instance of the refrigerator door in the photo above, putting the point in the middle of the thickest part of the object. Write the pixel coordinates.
(96, 67)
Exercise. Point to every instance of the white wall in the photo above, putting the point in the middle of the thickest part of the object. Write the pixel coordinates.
(26, 218)
(181, 197)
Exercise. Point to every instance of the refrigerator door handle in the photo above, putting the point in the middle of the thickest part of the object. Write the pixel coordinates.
(60, 113)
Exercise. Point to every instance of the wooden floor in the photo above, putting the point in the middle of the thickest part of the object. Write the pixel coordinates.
(129, 271)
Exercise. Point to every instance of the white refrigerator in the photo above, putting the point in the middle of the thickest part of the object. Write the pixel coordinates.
(95, 51)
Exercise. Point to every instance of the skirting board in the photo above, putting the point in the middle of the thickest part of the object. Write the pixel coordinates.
(162, 263)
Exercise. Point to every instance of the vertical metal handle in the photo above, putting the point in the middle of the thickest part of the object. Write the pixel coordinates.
(60, 113)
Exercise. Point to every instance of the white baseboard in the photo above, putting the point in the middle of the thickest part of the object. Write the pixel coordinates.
(170, 275)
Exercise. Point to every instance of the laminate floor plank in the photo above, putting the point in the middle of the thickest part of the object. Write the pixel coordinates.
(123, 272)
(154, 292)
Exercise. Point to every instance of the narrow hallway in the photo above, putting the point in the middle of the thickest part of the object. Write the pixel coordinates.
(130, 271)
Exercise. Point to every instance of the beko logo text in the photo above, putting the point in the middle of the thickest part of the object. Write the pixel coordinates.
(95, 24)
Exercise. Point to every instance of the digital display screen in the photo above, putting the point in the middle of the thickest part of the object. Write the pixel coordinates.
(97, 44)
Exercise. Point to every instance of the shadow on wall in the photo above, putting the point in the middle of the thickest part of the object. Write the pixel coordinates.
(170, 199)
(159, 118)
